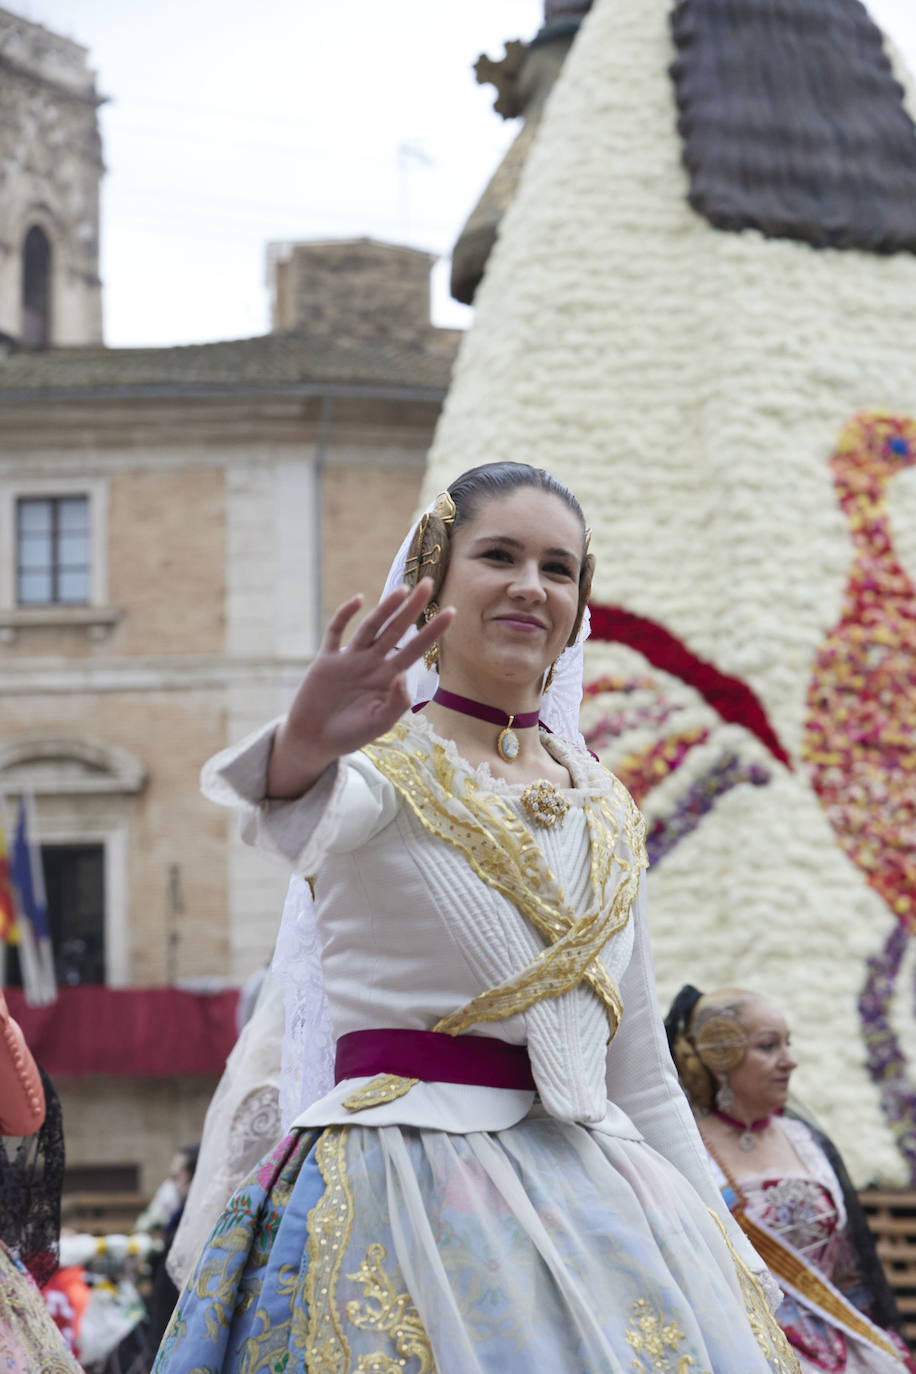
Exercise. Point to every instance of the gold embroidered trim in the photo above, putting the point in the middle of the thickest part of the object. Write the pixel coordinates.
(393, 1313)
(387, 1087)
(330, 1226)
(503, 853)
(650, 1335)
(330, 1223)
(792, 1270)
(766, 1329)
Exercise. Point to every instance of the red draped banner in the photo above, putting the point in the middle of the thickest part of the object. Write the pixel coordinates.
(128, 1032)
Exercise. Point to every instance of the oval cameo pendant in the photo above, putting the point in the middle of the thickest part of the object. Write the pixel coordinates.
(507, 744)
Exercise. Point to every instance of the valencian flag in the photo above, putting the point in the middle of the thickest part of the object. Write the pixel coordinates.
(35, 952)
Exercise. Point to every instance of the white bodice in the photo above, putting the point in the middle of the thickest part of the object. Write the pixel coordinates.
(410, 932)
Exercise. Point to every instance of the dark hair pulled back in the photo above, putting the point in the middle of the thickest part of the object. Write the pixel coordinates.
(430, 548)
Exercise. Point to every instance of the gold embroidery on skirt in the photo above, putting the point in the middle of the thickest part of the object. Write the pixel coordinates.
(330, 1223)
(384, 1309)
(658, 1340)
(766, 1329)
(393, 1313)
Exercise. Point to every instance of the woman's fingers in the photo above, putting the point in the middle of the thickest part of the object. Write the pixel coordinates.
(420, 642)
(385, 625)
(392, 617)
(405, 618)
(339, 622)
(389, 605)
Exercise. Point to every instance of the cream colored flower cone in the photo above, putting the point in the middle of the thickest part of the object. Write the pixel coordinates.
(690, 385)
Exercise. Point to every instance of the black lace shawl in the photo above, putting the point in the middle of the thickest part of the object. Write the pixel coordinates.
(31, 1179)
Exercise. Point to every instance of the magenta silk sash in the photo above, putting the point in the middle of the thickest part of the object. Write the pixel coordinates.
(434, 1057)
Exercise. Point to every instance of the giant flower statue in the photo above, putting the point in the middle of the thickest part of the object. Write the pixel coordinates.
(700, 311)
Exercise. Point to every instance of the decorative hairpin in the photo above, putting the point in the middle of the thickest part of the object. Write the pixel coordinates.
(418, 563)
(444, 508)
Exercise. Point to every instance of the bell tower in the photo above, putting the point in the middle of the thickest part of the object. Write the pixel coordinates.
(50, 172)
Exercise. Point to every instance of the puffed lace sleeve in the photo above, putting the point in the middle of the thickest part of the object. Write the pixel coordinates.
(642, 1080)
(348, 804)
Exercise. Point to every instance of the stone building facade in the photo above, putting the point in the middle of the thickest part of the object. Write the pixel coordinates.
(50, 172)
(231, 494)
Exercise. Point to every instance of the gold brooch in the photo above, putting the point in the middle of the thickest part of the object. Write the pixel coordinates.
(544, 803)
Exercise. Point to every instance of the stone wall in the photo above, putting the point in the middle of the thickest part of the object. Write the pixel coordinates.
(132, 1121)
(352, 289)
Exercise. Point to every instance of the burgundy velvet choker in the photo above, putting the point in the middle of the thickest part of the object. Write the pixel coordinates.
(434, 1057)
(746, 1129)
(507, 745)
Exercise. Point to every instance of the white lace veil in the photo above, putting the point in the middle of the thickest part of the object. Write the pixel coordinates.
(308, 1045)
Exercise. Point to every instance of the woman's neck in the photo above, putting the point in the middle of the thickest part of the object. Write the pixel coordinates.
(513, 697)
(476, 739)
(747, 1113)
(767, 1150)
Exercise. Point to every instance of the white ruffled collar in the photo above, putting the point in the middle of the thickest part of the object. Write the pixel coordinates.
(589, 778)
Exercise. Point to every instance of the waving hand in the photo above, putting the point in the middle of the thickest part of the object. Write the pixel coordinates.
(350, 696)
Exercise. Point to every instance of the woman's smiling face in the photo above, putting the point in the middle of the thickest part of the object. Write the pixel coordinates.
(513, 577)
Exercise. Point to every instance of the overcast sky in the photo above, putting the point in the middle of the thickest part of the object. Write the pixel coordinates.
(232, 124)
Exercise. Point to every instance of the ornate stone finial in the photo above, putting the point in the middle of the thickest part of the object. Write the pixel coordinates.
(504, 75)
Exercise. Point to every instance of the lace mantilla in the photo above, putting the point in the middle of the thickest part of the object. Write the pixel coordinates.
(307, 1064)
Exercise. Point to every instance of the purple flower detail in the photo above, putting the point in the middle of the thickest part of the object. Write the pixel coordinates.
(884, 1056)
(620, 722)
(668, 831)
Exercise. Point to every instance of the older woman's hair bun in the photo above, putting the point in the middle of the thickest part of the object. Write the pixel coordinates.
(706, 1039)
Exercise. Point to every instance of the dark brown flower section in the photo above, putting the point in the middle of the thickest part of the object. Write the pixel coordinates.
(793, 123)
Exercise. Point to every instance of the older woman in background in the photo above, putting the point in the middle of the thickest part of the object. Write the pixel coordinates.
(784, 1182)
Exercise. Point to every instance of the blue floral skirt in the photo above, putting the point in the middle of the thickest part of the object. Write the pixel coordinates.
(397, 1250)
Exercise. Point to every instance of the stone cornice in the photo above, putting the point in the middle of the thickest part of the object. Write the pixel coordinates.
(59, 676)
(40, 421)
(69, 763)
(88, 96)
(227, 390)
(97, 620)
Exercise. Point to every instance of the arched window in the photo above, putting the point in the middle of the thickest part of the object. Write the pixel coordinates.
(36, 289)
(84, 790)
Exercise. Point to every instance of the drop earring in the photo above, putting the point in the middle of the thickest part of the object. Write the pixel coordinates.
(549, 678)
(431, 655)
(725, 1098)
